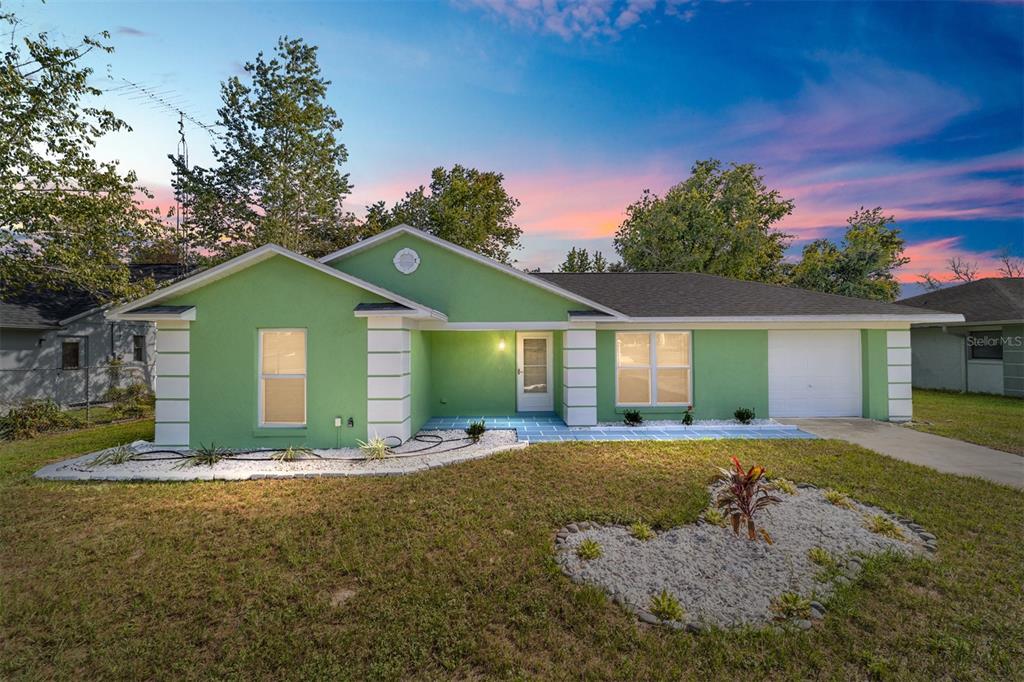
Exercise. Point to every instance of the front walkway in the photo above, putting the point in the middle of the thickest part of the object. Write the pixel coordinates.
(939, 453)
(543, 427)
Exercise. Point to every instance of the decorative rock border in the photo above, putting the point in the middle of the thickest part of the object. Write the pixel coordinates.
(637, 569)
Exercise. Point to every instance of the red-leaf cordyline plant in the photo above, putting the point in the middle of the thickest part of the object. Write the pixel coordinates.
(744, 495)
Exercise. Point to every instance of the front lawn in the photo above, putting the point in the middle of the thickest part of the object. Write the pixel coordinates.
(994, 421)
(449, 573)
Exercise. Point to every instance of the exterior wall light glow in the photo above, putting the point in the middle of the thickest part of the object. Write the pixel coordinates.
(501, 344)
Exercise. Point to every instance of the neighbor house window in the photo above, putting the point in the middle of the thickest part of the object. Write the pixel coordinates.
(985, 345)
(70, 355)
(282, 377)
(652, 368)
(139, 348)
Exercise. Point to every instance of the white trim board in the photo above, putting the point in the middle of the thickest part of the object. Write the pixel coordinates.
(259, 255)
(472, 255)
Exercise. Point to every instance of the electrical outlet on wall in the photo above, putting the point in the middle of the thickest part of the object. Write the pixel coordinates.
(337, 422)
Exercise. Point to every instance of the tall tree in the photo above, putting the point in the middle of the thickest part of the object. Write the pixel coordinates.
(863, 265)
(278, 175)
(66, 219)
(720, 220)
(465, 206)
(580, 260)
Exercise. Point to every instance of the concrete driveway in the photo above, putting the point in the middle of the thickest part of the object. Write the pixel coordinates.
(900, 442)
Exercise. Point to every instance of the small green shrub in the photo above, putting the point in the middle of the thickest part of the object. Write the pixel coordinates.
(883, 525)
(206, 455)
(375, 448)
(822, 557)
(475, 430)
(132, 401)
(744, 415)
(713, 516)
(791, 605)
(632, 418)
(290, 454)
(688, 416)
(33, 417)
(784, 485)
(641, 531)
(118, 455)
(588, 549)
(666, 607)
(838, 498)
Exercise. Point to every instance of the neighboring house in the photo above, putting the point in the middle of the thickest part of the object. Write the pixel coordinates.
(983, 354)
(273, 348)
(58, 345)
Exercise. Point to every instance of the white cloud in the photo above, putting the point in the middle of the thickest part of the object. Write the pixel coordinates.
(580, 19)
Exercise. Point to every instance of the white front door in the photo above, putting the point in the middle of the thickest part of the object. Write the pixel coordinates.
(814, 373)
(534, 390)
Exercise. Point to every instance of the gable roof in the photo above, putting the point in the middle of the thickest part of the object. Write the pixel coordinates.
(667, 295)
(253, 257)
(399, 230)
(984, 300)
(51, 309)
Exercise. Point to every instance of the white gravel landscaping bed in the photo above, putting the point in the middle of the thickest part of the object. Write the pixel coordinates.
(149, 464)
(721, 579)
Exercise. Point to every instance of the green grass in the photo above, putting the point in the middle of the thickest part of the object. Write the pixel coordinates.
(994, 421)
(449, 573)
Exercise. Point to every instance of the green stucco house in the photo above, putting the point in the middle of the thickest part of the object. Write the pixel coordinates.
(273, 349)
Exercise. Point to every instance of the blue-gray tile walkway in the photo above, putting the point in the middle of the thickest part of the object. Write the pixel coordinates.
(541, 427)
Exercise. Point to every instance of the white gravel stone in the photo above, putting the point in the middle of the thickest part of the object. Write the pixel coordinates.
(150, 465)
(727, 580)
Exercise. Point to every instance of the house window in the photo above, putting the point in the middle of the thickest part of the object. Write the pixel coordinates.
(70, 355)
(652, 368)
(139, 348)
(985, 345)
(282, 377)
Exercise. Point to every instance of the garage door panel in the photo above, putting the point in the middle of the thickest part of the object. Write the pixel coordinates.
(814, 373)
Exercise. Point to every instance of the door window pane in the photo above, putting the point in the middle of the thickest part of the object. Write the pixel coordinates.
(634, 350)
(634, 386)
(672, 350)
(535, 365)
(674, 385)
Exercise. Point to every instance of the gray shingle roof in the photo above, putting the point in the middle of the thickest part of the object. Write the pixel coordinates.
(691, 294)
(984, 300)
(44, 308)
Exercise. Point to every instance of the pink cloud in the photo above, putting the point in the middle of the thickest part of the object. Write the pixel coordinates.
(933, 257)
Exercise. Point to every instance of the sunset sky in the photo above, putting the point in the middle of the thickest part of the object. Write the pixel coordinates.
(913, 107)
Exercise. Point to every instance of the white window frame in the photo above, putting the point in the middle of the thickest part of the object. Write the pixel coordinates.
(260, 378)
(652, 367)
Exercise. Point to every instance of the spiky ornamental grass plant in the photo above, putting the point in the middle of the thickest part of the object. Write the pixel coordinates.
(666, 607)
(641, 531)
(375, 448)
(744, 496)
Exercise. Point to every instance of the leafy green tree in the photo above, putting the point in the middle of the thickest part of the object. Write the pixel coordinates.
(580, 260)
(720, 220)
(66, 219)
(465, 206)
(862, 265)
(278, 175)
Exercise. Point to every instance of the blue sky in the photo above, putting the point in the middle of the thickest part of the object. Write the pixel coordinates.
(916, 107)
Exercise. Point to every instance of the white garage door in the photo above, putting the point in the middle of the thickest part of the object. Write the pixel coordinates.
(814, 373)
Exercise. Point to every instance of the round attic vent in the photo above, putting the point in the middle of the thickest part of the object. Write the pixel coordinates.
(406, 261)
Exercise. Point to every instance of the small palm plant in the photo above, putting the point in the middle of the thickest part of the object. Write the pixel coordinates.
(744, 496)
(475, 430)
(375, 448)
